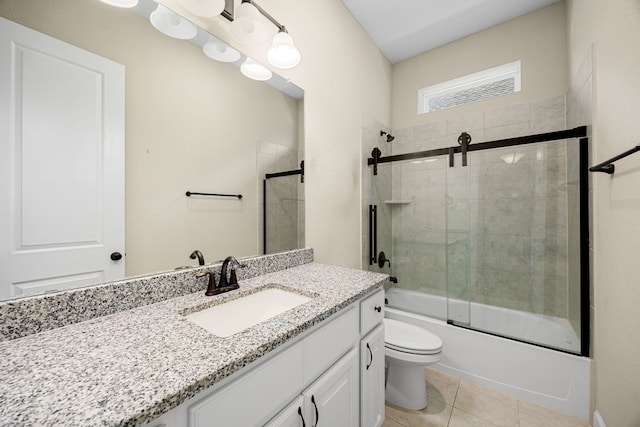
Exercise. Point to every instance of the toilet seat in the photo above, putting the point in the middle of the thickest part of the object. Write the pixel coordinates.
(407, 338)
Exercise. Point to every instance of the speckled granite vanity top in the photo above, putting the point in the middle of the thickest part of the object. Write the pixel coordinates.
(129, 367)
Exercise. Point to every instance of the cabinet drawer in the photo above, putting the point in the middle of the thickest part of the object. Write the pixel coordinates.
(371, 311)
(328, 344)
(250, 399)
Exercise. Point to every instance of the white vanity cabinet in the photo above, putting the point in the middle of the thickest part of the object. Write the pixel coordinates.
(330, 377)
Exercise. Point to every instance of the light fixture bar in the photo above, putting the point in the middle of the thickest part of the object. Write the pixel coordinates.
(266, 15)
(228, 10)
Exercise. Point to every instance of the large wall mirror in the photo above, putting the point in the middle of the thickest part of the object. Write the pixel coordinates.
(191, 124)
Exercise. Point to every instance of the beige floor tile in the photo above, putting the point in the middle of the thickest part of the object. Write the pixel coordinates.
(441, 386)
(436, 414)
(496, 408)
(395, 414)
(460, 418)
(388, 422)
(536, 416)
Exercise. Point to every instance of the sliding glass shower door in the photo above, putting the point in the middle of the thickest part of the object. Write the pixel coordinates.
(407, 226)
(513, 243)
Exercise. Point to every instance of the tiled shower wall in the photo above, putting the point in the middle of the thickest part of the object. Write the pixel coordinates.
(507, 222)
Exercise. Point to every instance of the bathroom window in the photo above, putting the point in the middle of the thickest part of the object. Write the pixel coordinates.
(486, 84)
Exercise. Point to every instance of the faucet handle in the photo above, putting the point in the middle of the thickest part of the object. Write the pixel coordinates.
(233, 279)
(211, 288)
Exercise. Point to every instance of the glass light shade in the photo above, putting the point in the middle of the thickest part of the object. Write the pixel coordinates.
(255, 71)
(220, 51)
(283, 53)
(121, 3)
(249, 27)
(172, 25)
(204, 8)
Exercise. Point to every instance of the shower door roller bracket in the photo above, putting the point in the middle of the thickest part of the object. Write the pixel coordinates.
(464, 140)
(376, 154)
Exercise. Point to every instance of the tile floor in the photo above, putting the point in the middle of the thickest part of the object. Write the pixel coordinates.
(454, 402)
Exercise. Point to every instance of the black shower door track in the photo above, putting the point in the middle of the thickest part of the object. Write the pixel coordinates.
(578, 132)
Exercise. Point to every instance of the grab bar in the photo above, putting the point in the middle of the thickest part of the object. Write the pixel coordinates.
(373, 233)
(608, 166)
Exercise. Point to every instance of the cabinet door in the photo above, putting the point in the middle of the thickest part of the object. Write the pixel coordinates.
(372, 378)
(332, 401)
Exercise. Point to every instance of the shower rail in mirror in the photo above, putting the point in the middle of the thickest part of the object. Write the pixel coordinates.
(278, 224)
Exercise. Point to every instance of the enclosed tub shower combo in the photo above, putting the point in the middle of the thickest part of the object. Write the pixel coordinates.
(486, 243)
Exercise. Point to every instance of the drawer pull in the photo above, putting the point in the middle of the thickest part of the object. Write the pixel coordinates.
(377, 308)
(301, 417)
(370, 354)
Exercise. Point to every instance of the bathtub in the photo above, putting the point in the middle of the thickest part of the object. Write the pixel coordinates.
(549, 378)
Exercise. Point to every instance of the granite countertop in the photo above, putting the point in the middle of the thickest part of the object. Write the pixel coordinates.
(130, 367)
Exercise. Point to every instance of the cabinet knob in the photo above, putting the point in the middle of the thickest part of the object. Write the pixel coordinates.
(377, 308)
(115, 256)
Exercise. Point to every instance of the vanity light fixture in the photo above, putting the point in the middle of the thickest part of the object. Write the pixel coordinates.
(121, 3)
(283, 53)
(250, 28)
(220, 51)
(255, 71)
(203, 8)
(172, 25)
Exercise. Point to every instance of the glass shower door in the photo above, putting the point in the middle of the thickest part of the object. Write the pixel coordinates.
(513, 243)
(408, 198)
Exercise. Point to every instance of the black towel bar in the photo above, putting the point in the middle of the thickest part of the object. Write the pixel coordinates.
(608, 166)
(191, 193)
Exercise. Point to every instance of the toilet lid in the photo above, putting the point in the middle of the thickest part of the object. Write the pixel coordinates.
(409, 338)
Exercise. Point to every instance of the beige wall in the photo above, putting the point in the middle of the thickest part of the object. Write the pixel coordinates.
(537, 39)
(345, 77)
(191, 124)
(613, 29)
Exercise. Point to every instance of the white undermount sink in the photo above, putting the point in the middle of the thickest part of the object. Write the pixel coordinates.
(234, 316)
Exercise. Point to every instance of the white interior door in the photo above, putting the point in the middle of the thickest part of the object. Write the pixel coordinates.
(61, 164)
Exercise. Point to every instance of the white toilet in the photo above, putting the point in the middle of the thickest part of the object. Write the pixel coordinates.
(408, 349)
